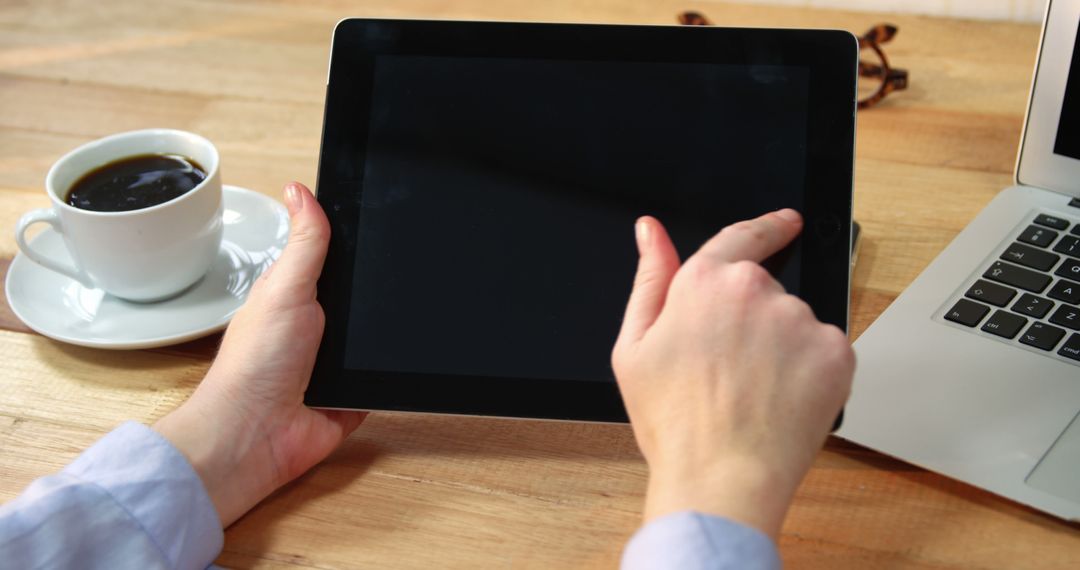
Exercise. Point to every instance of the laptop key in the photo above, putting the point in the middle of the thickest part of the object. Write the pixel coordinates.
(1071, 348)
(1065, 290)
(1068, 245)
(1036, 235)
(1032, 306)
(1017, 277)
(1066, 316)
(1051, 222)
(967, 313)
(1004, 324)
(990, 293)
(1031, 257)
(1042, 335)
(1069, 268)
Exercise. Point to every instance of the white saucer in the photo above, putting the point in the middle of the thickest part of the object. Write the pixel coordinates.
(256, 229)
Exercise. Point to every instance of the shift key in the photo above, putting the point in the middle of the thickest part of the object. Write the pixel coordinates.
(1017, 277)
(991, 293)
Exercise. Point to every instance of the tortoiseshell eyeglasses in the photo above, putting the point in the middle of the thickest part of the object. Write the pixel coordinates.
(876, 78)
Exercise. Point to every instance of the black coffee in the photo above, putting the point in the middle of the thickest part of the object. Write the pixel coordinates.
(135, 182)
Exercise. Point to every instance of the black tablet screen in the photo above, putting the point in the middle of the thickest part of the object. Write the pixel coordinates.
(499, 196)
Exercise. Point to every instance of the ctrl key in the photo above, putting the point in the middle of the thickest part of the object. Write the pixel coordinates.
(967, 313)
(1071, 348)
(1004, 324)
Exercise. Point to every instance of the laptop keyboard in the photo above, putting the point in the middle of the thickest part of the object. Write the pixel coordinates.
(1030, 295)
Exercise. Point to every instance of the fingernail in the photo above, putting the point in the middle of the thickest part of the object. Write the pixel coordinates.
(293, 200)
(789, 215)
(644, 232)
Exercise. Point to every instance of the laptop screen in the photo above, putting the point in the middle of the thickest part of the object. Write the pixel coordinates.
(1067, 142)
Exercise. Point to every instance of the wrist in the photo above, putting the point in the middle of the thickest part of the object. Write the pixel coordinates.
(220, 446)
(747, 491)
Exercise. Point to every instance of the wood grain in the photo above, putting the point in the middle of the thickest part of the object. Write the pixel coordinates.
(418, 491)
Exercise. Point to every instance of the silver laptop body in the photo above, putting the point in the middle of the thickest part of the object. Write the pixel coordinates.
(974, 370)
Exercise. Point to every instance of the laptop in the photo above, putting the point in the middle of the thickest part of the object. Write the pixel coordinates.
(974, 371)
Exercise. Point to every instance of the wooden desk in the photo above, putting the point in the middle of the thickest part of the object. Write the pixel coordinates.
(427, 492)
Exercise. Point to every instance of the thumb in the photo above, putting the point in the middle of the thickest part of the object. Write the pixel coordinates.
(301, 262)
(657, 265)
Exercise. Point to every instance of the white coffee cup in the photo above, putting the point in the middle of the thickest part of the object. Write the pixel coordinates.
(140, 255)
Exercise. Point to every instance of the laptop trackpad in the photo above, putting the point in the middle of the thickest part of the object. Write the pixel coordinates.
(1056, 472)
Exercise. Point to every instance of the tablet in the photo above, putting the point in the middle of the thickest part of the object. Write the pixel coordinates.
(482, 181)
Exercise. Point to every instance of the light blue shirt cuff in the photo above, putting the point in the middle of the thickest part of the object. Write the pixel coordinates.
(691, 541)
(157, 486)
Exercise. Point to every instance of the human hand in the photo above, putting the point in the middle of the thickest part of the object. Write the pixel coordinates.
(246, 429)
(731, 384)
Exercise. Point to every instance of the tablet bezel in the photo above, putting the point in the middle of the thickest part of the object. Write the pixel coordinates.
(831, 57)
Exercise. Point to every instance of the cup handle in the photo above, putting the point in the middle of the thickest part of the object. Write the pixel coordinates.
(47, 216)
